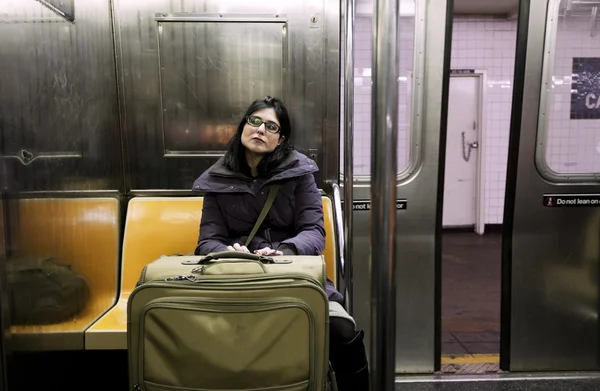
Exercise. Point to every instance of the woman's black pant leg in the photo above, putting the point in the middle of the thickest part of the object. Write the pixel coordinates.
(347, 355)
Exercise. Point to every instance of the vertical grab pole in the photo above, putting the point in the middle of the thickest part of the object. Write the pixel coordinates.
(384, 133)
(349, 152)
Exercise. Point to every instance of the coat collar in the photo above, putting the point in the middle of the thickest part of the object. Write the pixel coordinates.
(218, 178)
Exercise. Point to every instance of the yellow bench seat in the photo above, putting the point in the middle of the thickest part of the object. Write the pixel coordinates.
(157, 226)
(82, 233)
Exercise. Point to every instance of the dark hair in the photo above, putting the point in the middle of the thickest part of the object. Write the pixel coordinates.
(235, 157)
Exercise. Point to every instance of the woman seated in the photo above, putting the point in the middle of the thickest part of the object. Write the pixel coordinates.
(236, 189)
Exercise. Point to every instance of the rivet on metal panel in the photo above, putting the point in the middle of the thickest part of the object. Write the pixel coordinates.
(314, 21)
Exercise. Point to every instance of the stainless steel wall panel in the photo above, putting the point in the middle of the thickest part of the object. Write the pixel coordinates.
(416, 225)
(329, 150)
(555, 256)
(309, 46)
(58, 111)
(209, 73)
(345, 272)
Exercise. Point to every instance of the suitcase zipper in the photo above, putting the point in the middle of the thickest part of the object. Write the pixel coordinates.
(192, 282)
(188, 277)
(239, 278)
(186, 303)
(199, 270)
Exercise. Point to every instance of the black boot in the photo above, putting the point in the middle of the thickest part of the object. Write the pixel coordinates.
(349, 362)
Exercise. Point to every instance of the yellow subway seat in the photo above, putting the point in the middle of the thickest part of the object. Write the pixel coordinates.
(157, 226)
(82, 233)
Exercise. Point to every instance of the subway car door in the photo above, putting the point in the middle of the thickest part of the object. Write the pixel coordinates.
(422, 85)
(551, 251)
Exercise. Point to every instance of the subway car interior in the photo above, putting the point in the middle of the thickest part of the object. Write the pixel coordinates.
(110, 109)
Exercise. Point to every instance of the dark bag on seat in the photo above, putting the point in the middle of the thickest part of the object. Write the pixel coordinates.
(43, 292)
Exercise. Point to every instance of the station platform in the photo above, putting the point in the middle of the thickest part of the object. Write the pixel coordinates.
(471, 284)
(509, 382)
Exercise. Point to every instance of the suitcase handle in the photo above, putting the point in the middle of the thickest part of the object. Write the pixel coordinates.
(238, 255)
(235, 255)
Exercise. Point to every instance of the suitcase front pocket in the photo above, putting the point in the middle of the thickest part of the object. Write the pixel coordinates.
(238, 344)
(302, 386)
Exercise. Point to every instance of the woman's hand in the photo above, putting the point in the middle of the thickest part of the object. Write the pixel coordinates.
(267, 251)
(238, 248)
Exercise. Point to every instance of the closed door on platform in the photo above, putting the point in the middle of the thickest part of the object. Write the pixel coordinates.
(462, 152)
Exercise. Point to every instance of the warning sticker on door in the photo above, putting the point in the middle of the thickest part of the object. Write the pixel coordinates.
(366, 205)
(573, 200)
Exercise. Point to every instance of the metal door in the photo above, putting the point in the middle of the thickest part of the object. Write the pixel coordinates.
(418, 192)
(551, 253)
(461, 177)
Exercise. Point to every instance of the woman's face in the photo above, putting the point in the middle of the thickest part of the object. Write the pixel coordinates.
(261, 134)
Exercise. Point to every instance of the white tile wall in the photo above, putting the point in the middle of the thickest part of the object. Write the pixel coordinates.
(488, 43)
(479, 43)
(573, 145)
(362, 94)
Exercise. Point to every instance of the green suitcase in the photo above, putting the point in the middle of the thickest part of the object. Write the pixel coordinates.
(230, 321)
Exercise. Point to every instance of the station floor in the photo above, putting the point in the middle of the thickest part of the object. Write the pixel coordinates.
(589, 382)
(471, 270)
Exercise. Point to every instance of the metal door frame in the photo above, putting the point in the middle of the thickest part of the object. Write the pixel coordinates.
(417, 238)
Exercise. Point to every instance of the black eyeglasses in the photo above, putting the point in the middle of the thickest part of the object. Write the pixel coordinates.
(255, 121)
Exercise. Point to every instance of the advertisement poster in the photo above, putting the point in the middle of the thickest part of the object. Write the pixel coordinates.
(585, 89)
